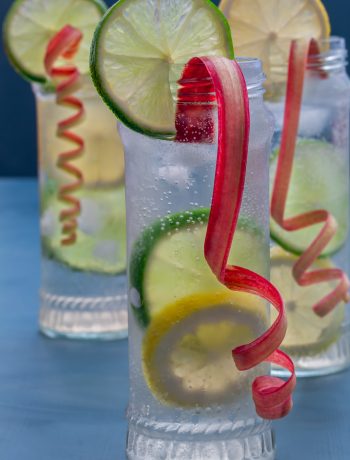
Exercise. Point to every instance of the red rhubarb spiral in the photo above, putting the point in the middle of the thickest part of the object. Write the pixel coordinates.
(205, 80)
(299, 54)
(66, 44)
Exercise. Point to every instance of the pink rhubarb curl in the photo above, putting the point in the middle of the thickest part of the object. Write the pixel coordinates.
(205, 80)
(66, 44)
(300, 52)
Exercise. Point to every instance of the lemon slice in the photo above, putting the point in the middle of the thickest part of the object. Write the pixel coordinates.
(187, 359)
(307, 333)
(265, 28)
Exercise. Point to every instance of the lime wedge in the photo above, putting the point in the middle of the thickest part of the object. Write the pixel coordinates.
(307, 333)
(30, 25)
(319, 181)
(187, 359)
(101, 234)
(167, 261)
(138, 53)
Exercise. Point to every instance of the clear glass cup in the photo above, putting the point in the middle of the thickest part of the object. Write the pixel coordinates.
(320, 180)
(83, 286)
(187, 400)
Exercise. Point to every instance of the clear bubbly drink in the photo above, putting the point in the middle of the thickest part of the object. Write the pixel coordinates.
(187, 399)
(83, 292)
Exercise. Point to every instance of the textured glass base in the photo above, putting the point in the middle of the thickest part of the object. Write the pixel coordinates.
(335, 359)
(208, 444)
(101, 318)
(82, 305)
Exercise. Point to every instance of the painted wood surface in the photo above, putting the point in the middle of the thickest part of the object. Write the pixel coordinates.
(62, 400)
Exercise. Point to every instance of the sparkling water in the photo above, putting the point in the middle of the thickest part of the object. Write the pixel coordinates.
(164, 178)
(83, 286)
(324, 137)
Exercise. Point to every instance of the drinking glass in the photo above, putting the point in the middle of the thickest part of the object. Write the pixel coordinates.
(187, 399)
(83, 285)
(320, 181)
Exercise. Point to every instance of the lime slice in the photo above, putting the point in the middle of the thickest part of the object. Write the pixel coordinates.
(265, 28)
(138, 53)
(319, 181)
(167, 262)
(307, 333)
(30, 25)
(187, 359)
(101, 236)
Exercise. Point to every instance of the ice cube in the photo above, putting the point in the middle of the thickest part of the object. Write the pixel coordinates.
(313, 120)
(175, 175)
(47, 223)
(91, 219)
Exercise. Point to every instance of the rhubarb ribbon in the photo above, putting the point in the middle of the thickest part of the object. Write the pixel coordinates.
(300, 52)
(205, 80)
(66, 44)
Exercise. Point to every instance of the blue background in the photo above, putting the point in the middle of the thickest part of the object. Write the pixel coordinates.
(17, 115)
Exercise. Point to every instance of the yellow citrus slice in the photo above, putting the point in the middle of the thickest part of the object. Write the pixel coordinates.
(187, 359)
(265, 28)
(307, 333)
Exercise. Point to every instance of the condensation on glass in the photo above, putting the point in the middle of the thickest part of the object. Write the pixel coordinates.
(166, 182)
(83, 286)
(320, 181)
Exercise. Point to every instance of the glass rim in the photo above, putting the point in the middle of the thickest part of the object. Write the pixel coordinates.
(333, 54)
(252, 69)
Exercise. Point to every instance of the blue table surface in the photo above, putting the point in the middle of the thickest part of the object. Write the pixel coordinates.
(65, 400)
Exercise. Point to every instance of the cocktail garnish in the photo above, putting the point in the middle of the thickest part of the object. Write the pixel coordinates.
(66, 44)
(299, 54)
(272, 396)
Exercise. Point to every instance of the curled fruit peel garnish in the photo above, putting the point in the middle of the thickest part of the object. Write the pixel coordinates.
(224, 79)
(299, 55)
(66, 44)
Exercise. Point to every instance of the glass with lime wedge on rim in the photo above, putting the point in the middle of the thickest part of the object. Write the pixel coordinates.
(197, 232)
(81, 170)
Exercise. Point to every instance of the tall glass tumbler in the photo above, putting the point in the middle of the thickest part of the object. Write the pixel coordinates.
(187, 399)
(83, 285)
(320, 181)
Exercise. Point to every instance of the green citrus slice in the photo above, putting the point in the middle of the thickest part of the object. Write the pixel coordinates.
(138, 53)
(307, 333)
(187, 359)
(319, 181)
(167, 261)
(30, 25)
(101, 234)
